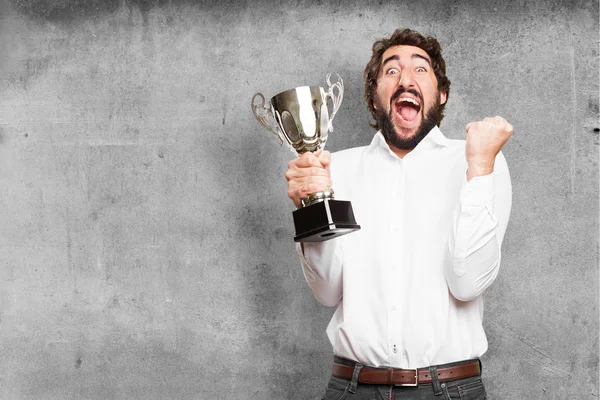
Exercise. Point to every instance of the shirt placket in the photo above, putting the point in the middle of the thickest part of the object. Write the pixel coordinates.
(395, 247)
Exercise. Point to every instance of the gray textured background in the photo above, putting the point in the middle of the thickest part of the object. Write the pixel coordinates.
(145, 235)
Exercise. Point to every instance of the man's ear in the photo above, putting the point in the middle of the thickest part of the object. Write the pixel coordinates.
(443, 97)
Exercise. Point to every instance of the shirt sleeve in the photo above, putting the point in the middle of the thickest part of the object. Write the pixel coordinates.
(478, 230)
(322, 267)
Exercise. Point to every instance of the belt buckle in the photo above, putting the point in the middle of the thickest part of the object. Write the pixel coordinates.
(416, 378)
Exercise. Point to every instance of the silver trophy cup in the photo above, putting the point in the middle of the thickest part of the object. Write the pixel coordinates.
(300, 118)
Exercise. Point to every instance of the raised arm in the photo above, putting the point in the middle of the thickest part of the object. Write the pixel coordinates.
(483, 211)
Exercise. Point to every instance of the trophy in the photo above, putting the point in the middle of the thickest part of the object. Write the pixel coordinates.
(300, 118)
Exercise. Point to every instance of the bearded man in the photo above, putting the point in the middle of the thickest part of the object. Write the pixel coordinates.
(433, 212)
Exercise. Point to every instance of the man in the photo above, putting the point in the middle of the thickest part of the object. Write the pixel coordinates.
(433, 213)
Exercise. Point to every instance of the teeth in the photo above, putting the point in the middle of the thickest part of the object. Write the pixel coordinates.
(407, 99)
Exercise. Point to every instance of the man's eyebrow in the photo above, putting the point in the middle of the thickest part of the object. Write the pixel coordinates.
(397, 57)
(423, 57)
(394, 57)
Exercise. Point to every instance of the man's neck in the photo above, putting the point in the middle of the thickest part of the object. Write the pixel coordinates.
(399, 152)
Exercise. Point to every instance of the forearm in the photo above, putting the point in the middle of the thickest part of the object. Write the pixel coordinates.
(480, 167)
(322, 267)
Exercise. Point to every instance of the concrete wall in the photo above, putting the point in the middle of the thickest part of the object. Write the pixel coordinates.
(146, 236)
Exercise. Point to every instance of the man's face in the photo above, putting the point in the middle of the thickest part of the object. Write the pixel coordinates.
(407, 99)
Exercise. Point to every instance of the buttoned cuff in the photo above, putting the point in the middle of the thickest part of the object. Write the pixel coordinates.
(479, 191)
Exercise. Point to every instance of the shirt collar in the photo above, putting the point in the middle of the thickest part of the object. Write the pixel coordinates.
(433, 138)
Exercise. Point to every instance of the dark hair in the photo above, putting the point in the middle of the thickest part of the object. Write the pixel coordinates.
(410, 38)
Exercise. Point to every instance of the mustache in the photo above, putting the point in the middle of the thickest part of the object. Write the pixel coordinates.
(401, 90)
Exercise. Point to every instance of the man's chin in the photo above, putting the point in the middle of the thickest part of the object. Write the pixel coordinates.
(407, 137)
(406, 130)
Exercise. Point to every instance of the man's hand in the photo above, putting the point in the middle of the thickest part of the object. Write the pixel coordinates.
(308, 174)
(484, 141)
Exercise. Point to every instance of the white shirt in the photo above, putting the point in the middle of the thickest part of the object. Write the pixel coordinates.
(408, 285)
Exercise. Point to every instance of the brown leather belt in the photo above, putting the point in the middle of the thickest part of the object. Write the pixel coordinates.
(406, 377)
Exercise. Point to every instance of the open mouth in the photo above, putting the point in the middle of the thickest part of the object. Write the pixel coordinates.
(407, 108)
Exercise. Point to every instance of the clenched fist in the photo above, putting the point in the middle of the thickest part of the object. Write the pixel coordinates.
(308, 174)
(484, 141)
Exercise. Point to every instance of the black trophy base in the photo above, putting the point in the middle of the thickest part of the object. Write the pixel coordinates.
(324, 220)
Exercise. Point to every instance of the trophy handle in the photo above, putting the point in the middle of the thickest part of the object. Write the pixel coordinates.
(262, 114)
(337, 100)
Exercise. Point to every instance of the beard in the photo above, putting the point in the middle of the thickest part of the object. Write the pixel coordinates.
(430, 120)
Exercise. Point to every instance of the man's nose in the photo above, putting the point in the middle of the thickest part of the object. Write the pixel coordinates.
(406, 79)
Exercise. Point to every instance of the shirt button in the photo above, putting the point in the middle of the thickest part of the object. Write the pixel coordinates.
(393, 308)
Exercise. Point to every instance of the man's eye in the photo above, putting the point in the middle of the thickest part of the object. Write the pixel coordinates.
(392, 71)
(420, 69)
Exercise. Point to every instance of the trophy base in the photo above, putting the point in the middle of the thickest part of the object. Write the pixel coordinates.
(324, 220)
